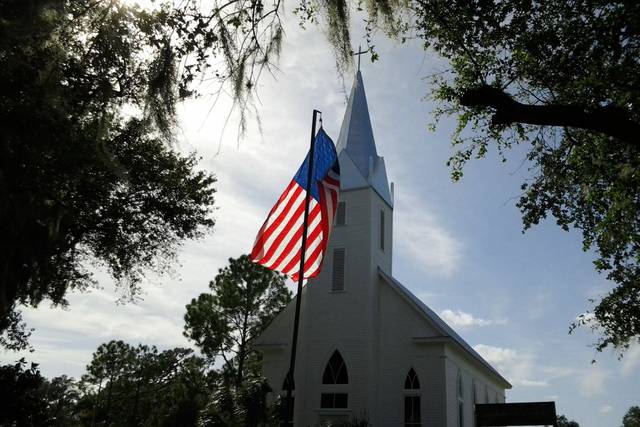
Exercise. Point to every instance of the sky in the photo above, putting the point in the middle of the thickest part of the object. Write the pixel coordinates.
(457, 246)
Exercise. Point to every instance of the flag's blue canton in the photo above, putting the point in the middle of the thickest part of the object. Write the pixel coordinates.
(325, 159)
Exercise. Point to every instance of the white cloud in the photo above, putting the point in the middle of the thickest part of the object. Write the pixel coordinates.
(533, 383)
(422, 237)
(519, 368)
(593, 383)
(460, 319)
(605, 409)
(497, 355)
(65, 339)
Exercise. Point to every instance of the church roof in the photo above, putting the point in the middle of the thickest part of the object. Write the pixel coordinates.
(440, 325)
(360, 164)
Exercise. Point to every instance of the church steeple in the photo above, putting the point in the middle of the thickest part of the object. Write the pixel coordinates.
(359, 161)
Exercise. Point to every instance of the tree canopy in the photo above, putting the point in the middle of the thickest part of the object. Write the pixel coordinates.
(563, 78)
(29, 399)
(88, 173)
(127, 385)
(632, 417)
(244, 298)
(563, 421)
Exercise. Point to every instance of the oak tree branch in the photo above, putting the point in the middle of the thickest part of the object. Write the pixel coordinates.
(610, 120)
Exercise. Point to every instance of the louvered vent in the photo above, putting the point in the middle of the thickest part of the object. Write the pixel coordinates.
(341, 214)
(338, 270)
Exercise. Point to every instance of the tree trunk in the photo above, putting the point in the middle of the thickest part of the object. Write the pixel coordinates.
(95, 404)
(612, 121)
(108, 407)
(242, 350)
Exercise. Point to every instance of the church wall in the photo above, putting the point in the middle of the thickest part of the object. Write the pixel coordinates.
(273, 361)
(472, 375)
(352, 332)
(399, 324)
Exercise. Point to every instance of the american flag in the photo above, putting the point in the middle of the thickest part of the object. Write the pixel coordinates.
(279, 241)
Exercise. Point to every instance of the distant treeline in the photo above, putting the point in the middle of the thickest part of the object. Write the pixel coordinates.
(133, 386)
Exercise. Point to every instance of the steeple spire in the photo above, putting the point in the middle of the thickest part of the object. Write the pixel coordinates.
(356, 146)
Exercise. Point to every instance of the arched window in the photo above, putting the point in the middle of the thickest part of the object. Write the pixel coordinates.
(460, 401)
(411, 382)
(335, 373)
(412, 400)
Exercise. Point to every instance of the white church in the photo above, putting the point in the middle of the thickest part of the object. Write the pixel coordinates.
(368, 348)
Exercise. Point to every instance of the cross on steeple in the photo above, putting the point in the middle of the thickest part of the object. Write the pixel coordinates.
(360, 52)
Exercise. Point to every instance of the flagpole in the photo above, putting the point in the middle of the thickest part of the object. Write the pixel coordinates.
(288, 415)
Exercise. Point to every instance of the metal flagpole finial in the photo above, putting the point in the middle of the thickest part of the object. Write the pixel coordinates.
(319, 113)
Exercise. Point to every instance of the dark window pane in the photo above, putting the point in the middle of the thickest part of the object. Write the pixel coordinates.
(341, 400)
(407, 409)
(334, 400)
(327, 377)
(412, 410)
(341, 376)
(326, 400)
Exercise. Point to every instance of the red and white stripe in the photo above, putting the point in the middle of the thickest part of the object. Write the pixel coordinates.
(279, 241)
